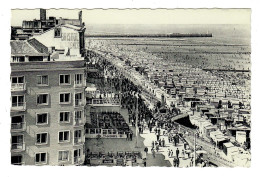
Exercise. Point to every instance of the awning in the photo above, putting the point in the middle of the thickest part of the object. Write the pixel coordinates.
(91, 89)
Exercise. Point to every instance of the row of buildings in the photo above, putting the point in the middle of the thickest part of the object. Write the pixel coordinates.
(47, 92)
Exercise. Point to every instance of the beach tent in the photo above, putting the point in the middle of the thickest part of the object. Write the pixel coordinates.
(203, 125)
(214, 134)
(209, 129)
(227, 147)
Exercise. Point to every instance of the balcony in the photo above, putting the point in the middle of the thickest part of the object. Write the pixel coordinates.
(20, 106)
(79, 103)
(18, 163)
(18, 87)
(78, 140)
(80, 83)
(78, 160)
(16, 127)
(78, 122)
(104, 102)
(18, 147)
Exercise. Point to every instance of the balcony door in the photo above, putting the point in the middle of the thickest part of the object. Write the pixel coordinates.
(17, 122)
(78, 99)
(17, 160)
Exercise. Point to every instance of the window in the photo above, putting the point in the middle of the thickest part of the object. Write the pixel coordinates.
(18, 80)
(57, 32)
(41, 158)
(63, 155)
(42, 138)
(78, 78)
(42, 119)
(42, 99)
(65, 98)
(17, 101)
(18, 59)
(64, 79)
(64, 116)
(64, 136)
(42, 80)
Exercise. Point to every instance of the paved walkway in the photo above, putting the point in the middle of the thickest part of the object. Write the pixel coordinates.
(145, 140)
(149, 137)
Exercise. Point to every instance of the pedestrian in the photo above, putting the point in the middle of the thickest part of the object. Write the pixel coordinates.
(160, 142)
(169, 153)
(144, 162)
(163, 143)
(152, 144)
(129, 119)
(177, 153)
(150, 128)
(158, 136)
(153, 152)
(178, 162)
(191, 161)
(157, 147)
(131, 136)
(183, 153)
(146, 150)
(174, 162)
(127, 136)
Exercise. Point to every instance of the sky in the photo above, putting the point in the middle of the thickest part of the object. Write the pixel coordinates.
(141, 16)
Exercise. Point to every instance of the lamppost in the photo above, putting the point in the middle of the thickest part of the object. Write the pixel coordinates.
(136, 121)
(195, 137)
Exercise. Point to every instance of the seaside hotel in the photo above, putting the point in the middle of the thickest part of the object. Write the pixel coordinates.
(47, 97)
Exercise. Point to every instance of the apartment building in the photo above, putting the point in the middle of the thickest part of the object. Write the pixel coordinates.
(47, 95)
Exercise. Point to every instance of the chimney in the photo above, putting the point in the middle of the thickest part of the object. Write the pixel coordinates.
(42, 14)
(80, 17)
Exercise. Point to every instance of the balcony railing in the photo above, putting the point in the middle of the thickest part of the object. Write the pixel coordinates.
(107, 101)
(80, 83)
(18, 163)
(18, 87)
(78, 140)
(18, 126)
(78, 121)
(20, 106)
(18, 147)
(79, 102)
(77, 160)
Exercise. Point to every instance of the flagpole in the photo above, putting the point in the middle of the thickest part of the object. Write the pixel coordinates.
(136, 121)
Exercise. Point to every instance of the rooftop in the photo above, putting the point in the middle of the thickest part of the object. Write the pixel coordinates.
(30, 48)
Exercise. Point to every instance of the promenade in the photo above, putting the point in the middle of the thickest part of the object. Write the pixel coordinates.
(151, 99)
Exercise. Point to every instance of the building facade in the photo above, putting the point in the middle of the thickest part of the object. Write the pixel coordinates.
(47, 95)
